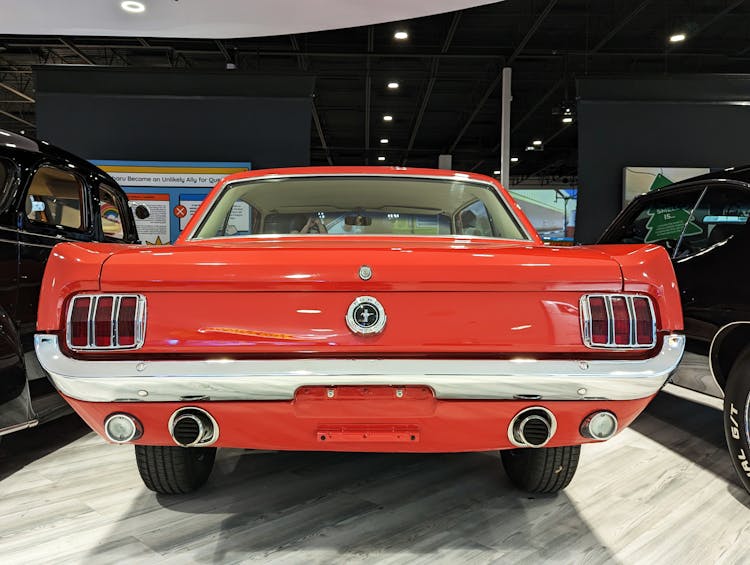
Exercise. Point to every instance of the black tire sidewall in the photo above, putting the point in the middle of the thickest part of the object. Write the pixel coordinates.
(736, 417)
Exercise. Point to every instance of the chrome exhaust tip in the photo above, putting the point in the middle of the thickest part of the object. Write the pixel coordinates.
(532, 427)
(193, 427)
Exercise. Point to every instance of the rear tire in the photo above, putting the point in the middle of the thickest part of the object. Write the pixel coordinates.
(173, 469)
(737, 416)
(543, 470)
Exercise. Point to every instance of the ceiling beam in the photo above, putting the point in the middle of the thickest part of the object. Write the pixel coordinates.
(431, 84)
(16, 92)
(716, 17)
(498, 79)
(532, 30)
(225, 53)
(77, 51)
(322, 137)
(368, 92)
(621, 24)
(14, 117)
(302, 62)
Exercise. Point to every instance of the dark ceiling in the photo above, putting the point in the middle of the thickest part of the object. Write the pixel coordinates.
(448, 71)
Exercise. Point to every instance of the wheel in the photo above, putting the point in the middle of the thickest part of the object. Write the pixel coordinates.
(737, 416)
(174, 469)
(543, 470)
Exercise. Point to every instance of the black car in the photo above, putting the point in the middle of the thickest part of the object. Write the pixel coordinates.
(46, 196)
(703, 223)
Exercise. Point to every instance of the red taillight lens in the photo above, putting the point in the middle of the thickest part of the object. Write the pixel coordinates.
(599, 320)
(79, 322)
(117, 321)
(622, 320)
(126, 321)
(617, 321)
(644, 322)
(103, 322)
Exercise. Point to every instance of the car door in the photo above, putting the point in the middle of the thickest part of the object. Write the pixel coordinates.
(710, 262)
(15, 403)
(55, 207)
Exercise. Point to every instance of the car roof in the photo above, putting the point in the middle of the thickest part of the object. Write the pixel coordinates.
(18, 142)
(740, 174)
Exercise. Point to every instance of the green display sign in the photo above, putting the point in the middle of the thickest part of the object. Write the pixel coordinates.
(660, 181)
(668, 223)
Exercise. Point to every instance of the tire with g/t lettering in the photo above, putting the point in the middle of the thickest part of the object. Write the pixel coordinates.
(173, 469)
(737, 416)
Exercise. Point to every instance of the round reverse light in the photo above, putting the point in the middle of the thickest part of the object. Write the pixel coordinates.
(599, 425)
(122, 428)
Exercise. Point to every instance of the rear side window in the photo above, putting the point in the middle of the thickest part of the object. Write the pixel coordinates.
(721, 214)
(659, 220)
(55, 197)
(111, 212)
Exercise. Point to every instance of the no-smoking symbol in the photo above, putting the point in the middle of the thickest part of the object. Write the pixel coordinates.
(180, 211)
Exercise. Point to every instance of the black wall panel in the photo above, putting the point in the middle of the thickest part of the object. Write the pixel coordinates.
(176, 115)
(667, 121)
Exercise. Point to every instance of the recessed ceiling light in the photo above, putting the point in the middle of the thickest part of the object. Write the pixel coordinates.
(495, 172)
(384, 140)
(677, 37)
(530, 148)
(536, 142)
(393, 85)
(387, 118)
(133, 7)
(381, 158)
(567, 120)
(514, 159)
(401, 35)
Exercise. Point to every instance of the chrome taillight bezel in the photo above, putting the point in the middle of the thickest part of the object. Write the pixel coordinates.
(585, 317)
(139, 320)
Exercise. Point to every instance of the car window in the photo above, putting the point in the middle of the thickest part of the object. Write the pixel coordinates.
(111, 213)
(721, 214)
(340, 205)
(659, 220)
(55, 197)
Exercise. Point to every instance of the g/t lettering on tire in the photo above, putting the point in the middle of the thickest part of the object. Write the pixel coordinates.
(736, 416)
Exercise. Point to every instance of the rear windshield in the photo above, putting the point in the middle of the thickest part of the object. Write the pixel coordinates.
(359, 205)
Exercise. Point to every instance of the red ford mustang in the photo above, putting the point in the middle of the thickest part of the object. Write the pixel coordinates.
(358, 309)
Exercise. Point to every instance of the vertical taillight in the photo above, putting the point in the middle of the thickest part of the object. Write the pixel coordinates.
(106, 321)
(103, 322)
(617, 321)
(78, 323)
(126, 321)
(599, 320)
(644, 322)
(621, 319)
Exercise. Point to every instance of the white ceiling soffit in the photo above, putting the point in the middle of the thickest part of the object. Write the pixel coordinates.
(210, 19)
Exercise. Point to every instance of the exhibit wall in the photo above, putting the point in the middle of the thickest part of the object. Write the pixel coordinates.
(671, 121)
(168, 115)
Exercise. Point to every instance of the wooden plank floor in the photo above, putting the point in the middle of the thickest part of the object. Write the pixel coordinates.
(661, 492)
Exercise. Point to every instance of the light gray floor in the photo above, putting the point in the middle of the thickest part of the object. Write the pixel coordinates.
(661, 492)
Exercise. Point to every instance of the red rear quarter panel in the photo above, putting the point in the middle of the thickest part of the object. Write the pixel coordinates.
(648, 269)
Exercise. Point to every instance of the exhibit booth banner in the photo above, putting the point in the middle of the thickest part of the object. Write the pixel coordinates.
(164, 195)
(639, 180)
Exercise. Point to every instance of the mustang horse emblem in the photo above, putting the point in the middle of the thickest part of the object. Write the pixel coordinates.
(366, 316)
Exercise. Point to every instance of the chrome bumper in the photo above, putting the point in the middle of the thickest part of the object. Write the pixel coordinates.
(164, 381)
